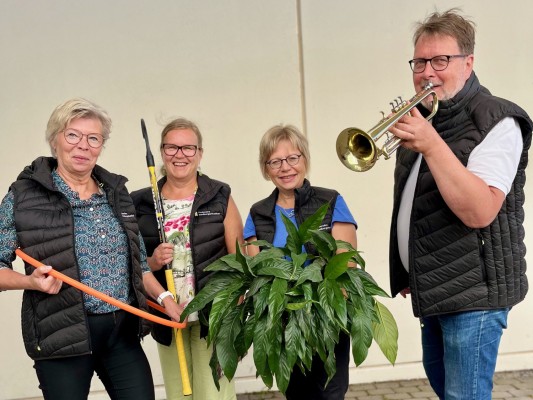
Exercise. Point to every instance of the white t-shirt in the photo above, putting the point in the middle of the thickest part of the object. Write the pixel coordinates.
(495, 160)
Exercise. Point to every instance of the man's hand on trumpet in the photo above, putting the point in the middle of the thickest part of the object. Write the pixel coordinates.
(417, 133)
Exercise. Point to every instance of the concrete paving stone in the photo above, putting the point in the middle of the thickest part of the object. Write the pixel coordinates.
(381, 391)
(390, 384)
(357, 393)
(428, 394)
(516, 385)
(501, 395)
(407, 389)
(398, 396)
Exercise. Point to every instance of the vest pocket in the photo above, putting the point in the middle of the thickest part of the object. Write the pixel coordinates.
(481, 247)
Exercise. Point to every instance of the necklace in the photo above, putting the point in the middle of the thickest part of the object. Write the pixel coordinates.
(288, 212)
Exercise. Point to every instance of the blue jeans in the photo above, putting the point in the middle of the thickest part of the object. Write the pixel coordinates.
(460, 351)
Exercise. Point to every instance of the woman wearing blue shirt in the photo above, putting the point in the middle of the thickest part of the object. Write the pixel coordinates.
(284, 159)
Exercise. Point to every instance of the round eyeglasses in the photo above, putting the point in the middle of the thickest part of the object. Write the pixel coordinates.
(171, 150)
(276, 163)
(438, 63)
(72, 136)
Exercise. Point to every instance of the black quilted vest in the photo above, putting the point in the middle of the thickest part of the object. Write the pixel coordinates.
(308, 199)
(454, 267)
(45, 228)
(206, 228)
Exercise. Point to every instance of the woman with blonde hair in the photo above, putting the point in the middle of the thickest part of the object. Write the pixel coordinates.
(284, 159)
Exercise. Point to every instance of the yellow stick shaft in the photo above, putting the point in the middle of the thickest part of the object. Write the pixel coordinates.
(179, 342)
(168, 271)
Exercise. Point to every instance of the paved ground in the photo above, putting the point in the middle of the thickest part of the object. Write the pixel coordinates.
(507, 385)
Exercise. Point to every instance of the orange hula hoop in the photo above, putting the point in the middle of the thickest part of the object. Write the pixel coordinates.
(102, 296)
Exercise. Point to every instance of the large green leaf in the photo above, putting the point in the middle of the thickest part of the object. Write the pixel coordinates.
(275, 339)
(261, 350)
(257, 284)
(328, 333)
(337, 265)
(385, 332)
(226, 263)
(213, 363)
(259, 243)
(333, 301)
(249, 328)
(243, 260)
(214, 286)
(330, 365)
(267, 254)
(225, 346)
(327, 297)
(260, 301)
(284, 372)
(307, 325)
(371, 287)
(276, 305)
(294, 244)
(223, 303)
(342, 245)
(280, 268)
(297, 261)
(293, 340)
(312, 273)
(312, 223)
(353, 284)
(361, 334)
(296, 305)
(276, 302)
(324, 243)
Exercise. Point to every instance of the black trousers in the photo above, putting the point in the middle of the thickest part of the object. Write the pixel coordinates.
(311, 385)
(117, 357)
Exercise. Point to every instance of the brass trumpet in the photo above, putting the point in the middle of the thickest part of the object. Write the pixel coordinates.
(358, 150)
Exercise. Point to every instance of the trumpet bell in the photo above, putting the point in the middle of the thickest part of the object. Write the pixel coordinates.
(356, 149)
(359, 150)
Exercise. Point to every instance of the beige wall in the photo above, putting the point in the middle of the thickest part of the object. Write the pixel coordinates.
(236, 68)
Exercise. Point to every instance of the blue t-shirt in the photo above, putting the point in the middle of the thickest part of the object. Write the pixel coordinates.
(341, 213)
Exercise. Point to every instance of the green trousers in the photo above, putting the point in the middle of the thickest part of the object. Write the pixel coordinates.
(200, 375)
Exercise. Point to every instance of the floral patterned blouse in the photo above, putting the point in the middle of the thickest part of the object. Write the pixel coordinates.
(101, 246)
(177, 217)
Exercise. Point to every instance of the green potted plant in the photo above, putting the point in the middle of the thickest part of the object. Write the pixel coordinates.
(291, 305)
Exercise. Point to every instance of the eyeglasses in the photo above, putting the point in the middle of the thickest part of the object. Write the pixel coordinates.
(72, 136)
(276, 163)
(171, 150)
(438, 63)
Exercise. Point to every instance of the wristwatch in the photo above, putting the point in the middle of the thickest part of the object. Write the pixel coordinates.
(162, 296)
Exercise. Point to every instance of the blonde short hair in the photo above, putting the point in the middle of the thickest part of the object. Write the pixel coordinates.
(271, 139)
(71, 109)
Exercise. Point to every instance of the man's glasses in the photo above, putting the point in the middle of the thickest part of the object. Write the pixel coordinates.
(72, 136)
(275, 163)
(171, 150)
(438, 63)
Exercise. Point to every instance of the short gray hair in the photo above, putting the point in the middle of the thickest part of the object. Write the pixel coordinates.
(71, 109)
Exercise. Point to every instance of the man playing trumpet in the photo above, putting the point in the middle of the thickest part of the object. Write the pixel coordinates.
(457, 226)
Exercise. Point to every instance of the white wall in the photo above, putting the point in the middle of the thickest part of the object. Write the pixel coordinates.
(236, 68)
